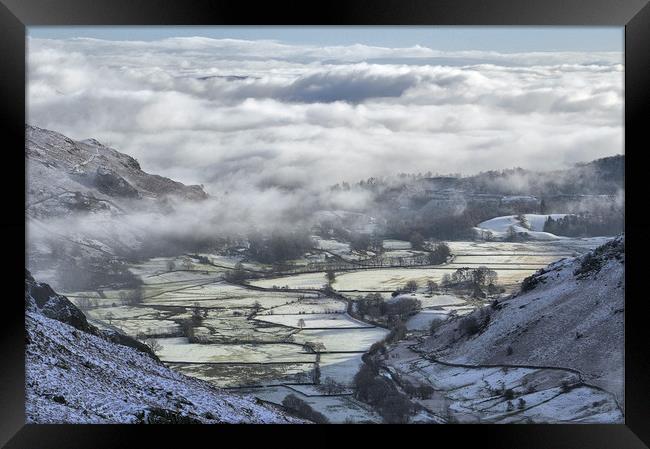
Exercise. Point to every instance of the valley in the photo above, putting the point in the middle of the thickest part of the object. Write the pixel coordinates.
(269, 336)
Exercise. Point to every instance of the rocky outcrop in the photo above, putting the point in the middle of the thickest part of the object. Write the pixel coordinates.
(41, 297)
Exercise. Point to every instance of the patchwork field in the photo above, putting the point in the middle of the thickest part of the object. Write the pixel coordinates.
(259, 339)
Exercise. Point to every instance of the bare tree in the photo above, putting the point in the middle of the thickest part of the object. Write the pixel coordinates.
(411, 286)
(153, 344)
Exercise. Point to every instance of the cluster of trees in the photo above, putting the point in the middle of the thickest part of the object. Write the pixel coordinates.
(397, 332)
(470, 277)
(279, 246)
(422, 391)
(417, 241)
(374, 389)
(153, 344)
(601, 176)
(587, 224)
(373, 305)
(439, 253)
(328, 229)
(195, 320)
(443, 223)
(170, 245)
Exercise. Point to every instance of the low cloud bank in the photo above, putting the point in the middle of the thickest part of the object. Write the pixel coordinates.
(236, 114)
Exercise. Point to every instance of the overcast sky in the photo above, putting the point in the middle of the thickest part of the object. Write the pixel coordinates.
(237, 107)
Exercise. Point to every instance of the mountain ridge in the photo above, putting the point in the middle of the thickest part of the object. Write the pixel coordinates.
(69, 175)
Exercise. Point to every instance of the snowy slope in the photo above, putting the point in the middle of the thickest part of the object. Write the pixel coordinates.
(570, 315)
(73, 376)
(535, 226)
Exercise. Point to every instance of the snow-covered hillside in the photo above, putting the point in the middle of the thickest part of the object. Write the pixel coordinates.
(76, 374)
(553, 353)
(532, 226)
(568, 315)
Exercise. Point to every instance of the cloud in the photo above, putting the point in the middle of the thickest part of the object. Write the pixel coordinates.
(273, 118)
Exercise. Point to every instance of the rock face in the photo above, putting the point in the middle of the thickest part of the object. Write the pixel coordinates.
(569, 315)
(110, 183)
(76, 374)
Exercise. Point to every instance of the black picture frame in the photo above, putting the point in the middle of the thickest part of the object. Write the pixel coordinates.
(15, 15)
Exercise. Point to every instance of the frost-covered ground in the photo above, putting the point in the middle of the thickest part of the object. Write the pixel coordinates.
(236, 376)
(472, 395)
(338, 409)
(396, 244)
(180, 350)
(309, 306)
(343, 339)
(385, 279)
(396, 278)
(535, 222)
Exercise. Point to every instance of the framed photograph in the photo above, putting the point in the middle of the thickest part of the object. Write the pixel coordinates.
(323, 217)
